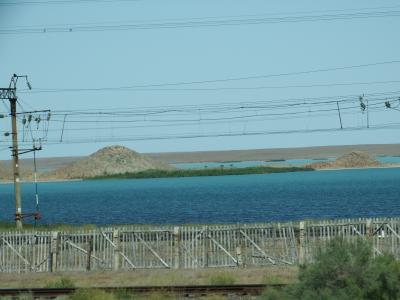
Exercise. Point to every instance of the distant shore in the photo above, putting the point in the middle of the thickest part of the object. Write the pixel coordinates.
(383, 166)
(42, 180)
(203, 172)
(207, 172)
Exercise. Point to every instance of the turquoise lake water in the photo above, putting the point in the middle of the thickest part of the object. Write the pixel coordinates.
(255, 163)
(222, 199)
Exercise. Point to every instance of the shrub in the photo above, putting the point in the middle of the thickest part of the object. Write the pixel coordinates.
(345, 270)
(61, 283)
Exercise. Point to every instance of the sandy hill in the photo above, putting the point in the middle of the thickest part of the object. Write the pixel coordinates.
(108, 161)
(354, 159)
(6, 172)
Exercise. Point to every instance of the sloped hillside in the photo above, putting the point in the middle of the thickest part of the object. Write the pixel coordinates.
(354, 159)
(108, 161)
(6, 171)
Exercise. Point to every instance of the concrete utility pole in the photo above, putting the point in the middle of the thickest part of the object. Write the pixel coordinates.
(15, 161)
(10, 93)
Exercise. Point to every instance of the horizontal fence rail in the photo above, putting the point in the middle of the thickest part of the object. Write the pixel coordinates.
(188, 247)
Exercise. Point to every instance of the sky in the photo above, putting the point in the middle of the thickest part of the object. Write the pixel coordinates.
(62, 62)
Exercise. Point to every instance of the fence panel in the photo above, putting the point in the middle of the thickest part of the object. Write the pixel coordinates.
(201, 246)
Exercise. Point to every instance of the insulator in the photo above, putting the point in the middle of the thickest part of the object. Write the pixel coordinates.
(48, 116)
(24, 120)
(362, 104)
(37, 119)
(6, 133)
(29, 118)
(387, 104)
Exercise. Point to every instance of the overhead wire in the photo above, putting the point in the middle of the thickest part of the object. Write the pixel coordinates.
(210, 119)
(227, 107)
(244, 103)
(13, 3)
(224, 134)
(229, 79)
(196, 22)
(194, 124)
(254, 118)
(214, 113)
(131, 88)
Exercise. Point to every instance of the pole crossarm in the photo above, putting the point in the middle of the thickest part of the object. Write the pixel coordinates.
(8, 93)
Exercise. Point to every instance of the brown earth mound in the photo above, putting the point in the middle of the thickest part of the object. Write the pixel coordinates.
(108, 161)
(354, 159)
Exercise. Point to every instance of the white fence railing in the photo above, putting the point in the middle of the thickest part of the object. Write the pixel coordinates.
(135, 247)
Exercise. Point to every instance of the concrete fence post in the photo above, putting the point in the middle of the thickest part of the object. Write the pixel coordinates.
(369, 229)
(54, 246)
(239, 247)
(117, 249)
(302, 243)
(206, 246)
(177, 247)
(239, 257)
(89, 254)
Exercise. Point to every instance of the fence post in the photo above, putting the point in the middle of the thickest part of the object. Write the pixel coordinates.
(54, 245)
(206, 247)
(369, 233)
(239, 257)
(239, 245)
(117, 249)
(89, 254)
(368, 227)
(302, 242)
(177, 247)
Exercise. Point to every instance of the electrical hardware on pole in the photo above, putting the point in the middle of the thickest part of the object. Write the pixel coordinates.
(10, 94)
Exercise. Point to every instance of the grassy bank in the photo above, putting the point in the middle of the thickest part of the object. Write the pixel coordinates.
(204, 172)
(10, 226)
(158, 277)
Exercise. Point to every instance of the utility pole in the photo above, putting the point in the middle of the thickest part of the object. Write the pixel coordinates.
(15, 161)
(10, 93)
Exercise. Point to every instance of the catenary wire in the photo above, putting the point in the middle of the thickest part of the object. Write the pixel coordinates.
(201, 23)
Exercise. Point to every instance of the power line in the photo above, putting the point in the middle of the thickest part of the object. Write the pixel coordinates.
(207, 121)
(320, 70)
(223, 134)
(61, 2)
(216, 113)
(194, 23)
(222, 108)
(227, 107)
(183, 19)
(44, 90)
(238, 117)
(200, 121)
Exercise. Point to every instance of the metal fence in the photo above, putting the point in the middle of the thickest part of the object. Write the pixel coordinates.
(135, 247)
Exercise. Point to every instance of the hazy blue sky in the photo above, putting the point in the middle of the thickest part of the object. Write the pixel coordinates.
(153, 56)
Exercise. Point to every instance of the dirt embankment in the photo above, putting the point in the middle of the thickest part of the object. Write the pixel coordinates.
(107, 161)
(354, 159)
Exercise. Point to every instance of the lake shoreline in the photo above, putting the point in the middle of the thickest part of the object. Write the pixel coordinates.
(180, 173)
(394, 166)
(201, 173)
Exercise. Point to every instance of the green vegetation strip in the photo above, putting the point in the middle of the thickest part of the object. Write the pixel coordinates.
(10, 226)
(203, 172)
